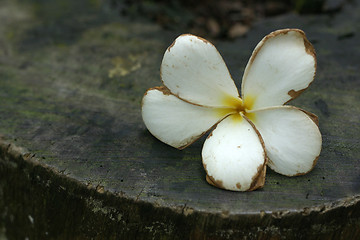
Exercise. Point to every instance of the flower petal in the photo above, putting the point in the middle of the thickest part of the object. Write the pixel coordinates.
(174, 121)
(194, 70)
(292, 139)
(282, 65)
(233, 155)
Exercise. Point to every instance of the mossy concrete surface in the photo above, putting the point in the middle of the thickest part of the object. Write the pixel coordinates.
(77, 162)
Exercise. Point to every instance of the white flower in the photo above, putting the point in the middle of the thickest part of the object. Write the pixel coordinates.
(250, 131)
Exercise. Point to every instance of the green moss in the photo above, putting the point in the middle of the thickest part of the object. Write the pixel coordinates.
(308, 6)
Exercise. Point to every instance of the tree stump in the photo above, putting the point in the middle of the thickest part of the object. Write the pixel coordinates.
(77, 162)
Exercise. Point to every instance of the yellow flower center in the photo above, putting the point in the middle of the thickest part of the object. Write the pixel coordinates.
(233, 105)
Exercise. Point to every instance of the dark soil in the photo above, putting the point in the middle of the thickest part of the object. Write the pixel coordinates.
(219, 19)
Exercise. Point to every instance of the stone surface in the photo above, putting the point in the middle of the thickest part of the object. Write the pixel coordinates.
(76, 160)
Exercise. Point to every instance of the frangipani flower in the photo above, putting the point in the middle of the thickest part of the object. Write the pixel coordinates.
(249, 132)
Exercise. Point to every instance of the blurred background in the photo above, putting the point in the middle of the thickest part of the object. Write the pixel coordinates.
(219, 19)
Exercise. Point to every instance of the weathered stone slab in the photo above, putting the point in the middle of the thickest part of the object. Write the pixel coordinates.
(76, 160)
